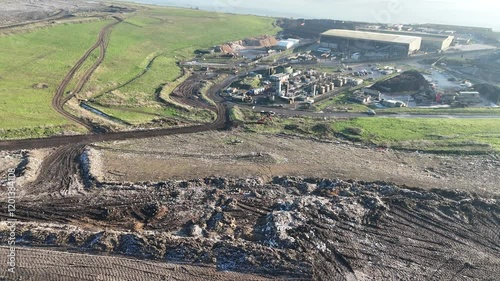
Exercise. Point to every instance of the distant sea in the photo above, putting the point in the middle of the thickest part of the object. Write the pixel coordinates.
(481, 13)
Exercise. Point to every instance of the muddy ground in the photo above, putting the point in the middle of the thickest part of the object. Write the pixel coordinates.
(290, 228)
(264, 207)
(237, 206)
(236, 154)
(42, 264)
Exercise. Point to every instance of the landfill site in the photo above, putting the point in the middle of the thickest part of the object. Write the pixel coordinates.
(252, 211)
(213, 201)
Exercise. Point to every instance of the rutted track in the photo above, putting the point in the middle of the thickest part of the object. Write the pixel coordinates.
(219, 123)
(41, 264)
(59, 100)
(299, 228)
(188, 92)
(60, 172)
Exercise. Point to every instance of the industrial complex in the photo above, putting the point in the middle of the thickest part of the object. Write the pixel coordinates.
(375, 43)
(350, 40)
(430, 42)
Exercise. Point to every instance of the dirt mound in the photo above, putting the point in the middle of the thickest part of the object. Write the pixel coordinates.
(262, 41)
(291, 227)
(407, 81)
(491, 92)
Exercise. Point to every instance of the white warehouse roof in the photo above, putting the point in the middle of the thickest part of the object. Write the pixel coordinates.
(285, 44)
(371, 36)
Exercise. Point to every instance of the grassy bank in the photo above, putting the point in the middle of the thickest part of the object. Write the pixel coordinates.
(340, 102)
(442, 111)
(236, 115)
(433, 135)
(474, 136)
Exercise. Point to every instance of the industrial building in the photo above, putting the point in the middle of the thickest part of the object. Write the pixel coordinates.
(287, 44)
(430, 42)
(351, 40)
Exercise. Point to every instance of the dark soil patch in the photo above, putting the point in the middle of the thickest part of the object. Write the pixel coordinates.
(408, 81)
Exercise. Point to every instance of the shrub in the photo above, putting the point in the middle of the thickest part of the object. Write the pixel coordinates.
(322, 129)
(291, 127)
(354, 131)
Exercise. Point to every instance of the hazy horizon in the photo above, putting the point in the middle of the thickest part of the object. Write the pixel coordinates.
(482, 13)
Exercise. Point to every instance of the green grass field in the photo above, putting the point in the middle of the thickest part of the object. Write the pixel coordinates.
(166, 35)
(170, 35)
(43, 56)
(442, 111)
(432, 135)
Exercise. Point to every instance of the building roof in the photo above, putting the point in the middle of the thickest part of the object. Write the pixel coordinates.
(424, 36)
(285, 43)
(371, 36)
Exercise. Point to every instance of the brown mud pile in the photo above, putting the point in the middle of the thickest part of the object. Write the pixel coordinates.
(305, 228)
(406, 82)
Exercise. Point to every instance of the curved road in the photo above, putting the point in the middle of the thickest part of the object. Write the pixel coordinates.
(221, 121)
(59, 99)
(292, 113)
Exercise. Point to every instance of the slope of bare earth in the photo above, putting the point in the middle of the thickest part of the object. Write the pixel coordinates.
(233, 154)
(216, 201)
(302, 228)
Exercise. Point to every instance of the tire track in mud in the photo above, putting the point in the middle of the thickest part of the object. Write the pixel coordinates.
(336, 237)
(42, 264)
(59, 99)
(221, 122)
(60, 172)
(188, 92)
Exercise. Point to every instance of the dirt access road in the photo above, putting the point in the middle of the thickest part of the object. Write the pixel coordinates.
(185, 93)
(221, 122)
(282, 227)
(59, 99)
